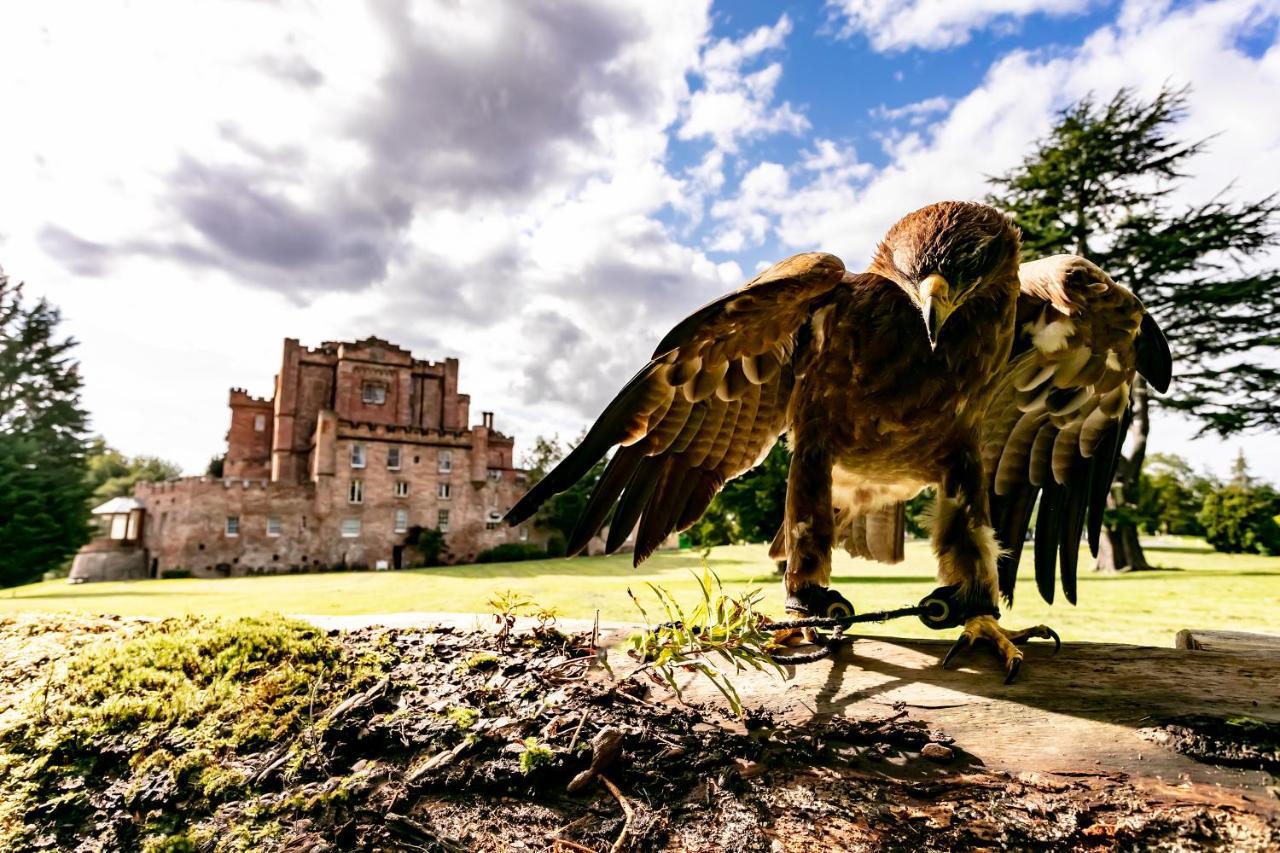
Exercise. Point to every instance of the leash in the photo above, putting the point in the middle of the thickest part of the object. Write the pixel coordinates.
(930, 606)
(939, 610)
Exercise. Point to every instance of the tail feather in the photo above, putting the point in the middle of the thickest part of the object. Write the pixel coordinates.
(876, 535)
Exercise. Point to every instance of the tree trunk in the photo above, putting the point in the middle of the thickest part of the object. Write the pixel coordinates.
(1119, 550)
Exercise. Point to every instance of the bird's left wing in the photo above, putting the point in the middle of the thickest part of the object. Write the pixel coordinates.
(1061, 410)
(707, 407)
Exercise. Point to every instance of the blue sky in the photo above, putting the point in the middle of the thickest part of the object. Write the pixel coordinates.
(539, 189)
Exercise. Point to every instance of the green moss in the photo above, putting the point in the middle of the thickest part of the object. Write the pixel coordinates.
(247, 676)
(481, 661)
(463, 718)
(535, 755)
(219, 784)
(182, 698)
(170, 844)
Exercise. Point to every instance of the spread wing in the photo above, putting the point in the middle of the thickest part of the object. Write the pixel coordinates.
(1061, 410)
(706, 408)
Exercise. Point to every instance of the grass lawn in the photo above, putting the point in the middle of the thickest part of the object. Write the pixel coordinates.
(1195, 588)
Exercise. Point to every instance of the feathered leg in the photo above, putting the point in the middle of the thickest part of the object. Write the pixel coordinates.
(809, 521)
(808, 532)
(965, 544)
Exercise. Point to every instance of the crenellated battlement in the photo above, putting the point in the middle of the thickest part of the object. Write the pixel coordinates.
(193, 486)
(241, 397)
(392, 432)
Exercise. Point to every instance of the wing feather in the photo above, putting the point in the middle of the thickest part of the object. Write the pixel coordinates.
(1060, 413)
(706, 408)
(607, 490)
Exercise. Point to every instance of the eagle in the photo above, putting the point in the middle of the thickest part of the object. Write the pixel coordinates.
(946, 364)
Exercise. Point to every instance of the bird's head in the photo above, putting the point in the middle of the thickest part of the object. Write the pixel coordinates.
(944, 254)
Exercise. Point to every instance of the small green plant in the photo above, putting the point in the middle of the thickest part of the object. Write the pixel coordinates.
(720, 632)
(507, 606)
(546, 618)
(535, 755)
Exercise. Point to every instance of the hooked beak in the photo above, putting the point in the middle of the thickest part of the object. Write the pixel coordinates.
(935, 305)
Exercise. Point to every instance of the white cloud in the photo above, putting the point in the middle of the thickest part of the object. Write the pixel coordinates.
(934, 24)
(989, 130)
(491, 181)
(735, 104)
(210, 180)
(914, 113)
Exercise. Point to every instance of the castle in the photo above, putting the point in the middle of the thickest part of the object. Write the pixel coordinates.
(361, 449)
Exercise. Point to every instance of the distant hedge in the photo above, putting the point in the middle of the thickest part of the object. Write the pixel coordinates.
(511, 552)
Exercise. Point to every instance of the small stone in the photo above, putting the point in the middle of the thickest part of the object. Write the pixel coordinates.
(937, 752)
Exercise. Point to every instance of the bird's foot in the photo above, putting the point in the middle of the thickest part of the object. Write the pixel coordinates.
(810, 602)
(1006, 642)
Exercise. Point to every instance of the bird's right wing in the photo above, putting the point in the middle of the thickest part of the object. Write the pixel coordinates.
(707, 408)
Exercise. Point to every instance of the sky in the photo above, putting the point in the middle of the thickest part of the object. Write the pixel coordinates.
(540, 189)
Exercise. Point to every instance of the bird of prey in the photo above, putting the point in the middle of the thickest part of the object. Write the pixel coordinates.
(945, 364)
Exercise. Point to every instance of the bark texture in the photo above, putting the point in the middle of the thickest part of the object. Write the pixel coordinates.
(1120, 549)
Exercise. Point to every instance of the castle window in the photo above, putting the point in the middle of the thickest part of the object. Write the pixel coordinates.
(445, 458)
(355, 492)
(373, 393)
(495, 475)
(393, 458)
(357, 456)
(442, 521)
(492, 521)
(233, 525)
(259, 423)
(402, 489)
(274, 527)
(350, 528)
(402, 520)
(442, 491)
(524, 534)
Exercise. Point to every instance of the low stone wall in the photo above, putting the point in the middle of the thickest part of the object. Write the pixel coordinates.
(106, 560)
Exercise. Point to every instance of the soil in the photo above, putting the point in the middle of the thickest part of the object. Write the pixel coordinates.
(470, 743)
(1228, 742)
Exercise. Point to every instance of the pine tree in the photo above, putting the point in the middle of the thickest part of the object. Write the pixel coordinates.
(1097, 186)
(44, 487)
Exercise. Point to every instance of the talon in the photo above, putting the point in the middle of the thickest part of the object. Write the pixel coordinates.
(1012, 669)
(1005, 642)
(789, 637)
(955, 648)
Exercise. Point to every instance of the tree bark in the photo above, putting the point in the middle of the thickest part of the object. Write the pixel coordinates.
(1119, 549)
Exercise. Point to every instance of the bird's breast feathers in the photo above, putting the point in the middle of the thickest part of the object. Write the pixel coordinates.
(888, 405)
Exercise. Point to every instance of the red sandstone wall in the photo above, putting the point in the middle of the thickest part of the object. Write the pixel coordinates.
(249, 437)
(298, 470)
